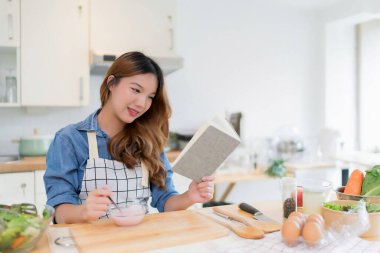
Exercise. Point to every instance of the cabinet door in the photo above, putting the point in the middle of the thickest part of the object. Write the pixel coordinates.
(17, 188)
(10, 23)
(54, 53)
(118, 26)
(39, 186)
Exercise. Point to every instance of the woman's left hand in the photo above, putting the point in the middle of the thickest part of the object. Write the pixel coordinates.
(203, 191)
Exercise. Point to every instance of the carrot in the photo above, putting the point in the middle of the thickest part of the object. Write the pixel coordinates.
(18, 241)
(354, 184)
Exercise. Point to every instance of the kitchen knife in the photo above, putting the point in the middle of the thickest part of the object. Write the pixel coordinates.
(256, 213)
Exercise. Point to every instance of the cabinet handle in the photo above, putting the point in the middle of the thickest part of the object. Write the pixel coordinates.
(10, 26)
(171, 32)
(171, 39)
(81, 89)
(23, 187)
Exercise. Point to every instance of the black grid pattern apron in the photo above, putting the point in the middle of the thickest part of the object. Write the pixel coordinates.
(126, 184)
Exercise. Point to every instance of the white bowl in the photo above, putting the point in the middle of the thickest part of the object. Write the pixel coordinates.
(129, 214)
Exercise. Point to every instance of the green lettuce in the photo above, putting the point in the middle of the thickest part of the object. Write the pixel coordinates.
(371, 182)
(371, 207)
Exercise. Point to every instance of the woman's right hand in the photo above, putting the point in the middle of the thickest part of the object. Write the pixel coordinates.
(96, 204)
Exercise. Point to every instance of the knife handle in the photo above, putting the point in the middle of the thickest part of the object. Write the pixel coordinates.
(248, 208)
(231, 215)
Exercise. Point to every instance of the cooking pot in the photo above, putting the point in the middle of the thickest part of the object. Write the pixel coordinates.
(34, 145)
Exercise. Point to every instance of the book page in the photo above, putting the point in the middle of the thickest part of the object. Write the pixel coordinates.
(206, 151)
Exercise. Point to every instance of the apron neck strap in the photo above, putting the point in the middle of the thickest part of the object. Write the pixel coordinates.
(92, 145)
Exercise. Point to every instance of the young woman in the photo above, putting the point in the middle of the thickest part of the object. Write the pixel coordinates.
(117, 151)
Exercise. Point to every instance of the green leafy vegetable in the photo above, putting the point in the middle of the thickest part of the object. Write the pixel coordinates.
(371, 207)
(371, 182)
(17, 229)
(277, 169)
(338, 207)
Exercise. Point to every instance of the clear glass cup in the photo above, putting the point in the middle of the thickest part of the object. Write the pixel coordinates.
(289, 196)
(315, 192)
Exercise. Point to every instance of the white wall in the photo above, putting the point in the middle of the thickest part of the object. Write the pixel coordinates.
(369, 86)
(258, 57)
(340, 112)
(16, 122)
(341, 66)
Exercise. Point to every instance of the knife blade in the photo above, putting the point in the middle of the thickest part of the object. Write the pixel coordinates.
(257, 214)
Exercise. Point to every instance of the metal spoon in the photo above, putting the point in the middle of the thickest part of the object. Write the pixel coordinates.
(114, 203)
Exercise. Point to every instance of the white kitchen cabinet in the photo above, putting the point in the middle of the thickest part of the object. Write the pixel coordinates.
(9, 53)
(119, 26)
(9, 23)
(54, 53)
(39, 189)
(17, 188)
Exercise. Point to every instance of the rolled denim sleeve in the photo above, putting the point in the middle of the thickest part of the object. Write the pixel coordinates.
(159, 196)
(61, 176)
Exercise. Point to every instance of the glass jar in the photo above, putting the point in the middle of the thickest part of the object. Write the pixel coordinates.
(11, 89)
(315, 192)
(289, 195)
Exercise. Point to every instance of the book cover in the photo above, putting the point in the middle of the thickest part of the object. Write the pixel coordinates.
(207, 150)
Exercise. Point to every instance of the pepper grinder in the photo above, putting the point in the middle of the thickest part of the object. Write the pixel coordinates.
(289, 195)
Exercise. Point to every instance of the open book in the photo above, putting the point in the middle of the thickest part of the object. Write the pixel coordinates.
(207, 150)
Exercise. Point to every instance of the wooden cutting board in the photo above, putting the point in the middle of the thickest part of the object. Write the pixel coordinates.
(155, 231)
(267, 227)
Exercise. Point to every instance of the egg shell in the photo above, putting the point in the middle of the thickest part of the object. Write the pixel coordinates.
(316, 218)
(299, 220)
(312, 233)
(290, 231)
(297, 214)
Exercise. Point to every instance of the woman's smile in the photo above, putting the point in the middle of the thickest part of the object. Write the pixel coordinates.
(132, 112)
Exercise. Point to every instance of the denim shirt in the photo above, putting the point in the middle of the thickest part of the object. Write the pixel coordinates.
(67, 158)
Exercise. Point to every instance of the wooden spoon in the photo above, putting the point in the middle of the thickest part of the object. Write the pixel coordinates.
(239, 229)
(234, 212)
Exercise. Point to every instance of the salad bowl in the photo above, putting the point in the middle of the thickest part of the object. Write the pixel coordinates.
(21, 227)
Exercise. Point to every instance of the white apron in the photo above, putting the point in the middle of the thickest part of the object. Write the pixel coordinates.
(126, 184)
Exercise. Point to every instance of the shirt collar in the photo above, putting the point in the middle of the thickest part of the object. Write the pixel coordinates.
(91, 124)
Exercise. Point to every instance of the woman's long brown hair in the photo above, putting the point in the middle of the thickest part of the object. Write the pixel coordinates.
(143, 139)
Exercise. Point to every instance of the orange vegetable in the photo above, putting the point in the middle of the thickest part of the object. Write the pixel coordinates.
(18, 241)
(354, 184)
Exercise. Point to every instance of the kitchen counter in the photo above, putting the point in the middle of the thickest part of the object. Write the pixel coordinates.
(39, 163)
(104, 232)
(26, 164)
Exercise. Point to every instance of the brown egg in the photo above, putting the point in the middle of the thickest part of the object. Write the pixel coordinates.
(298, 215)
(316, 218)
(312, 233)
(290, 232)
(299, 220)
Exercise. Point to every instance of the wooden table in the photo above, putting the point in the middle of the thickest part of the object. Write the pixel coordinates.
(270, 208)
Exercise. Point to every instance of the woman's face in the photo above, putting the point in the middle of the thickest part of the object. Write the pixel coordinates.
(132, 96)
